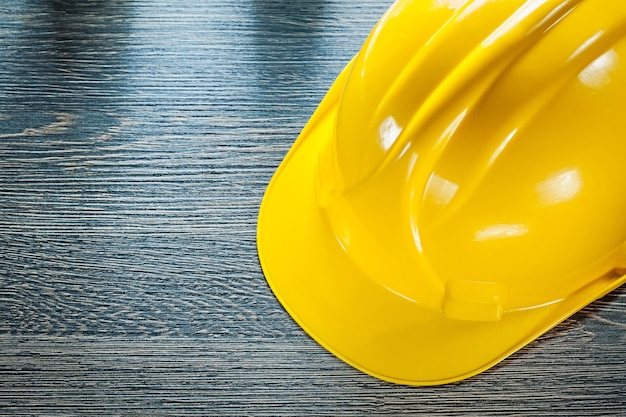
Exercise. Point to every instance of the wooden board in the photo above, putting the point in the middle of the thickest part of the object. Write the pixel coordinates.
(136, 141)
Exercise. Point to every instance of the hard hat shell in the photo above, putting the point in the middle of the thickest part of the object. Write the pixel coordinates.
(461, 188)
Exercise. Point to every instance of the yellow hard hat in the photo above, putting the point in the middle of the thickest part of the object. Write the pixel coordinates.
(460, 190)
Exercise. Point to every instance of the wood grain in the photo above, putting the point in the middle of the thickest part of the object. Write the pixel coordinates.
(136, 141)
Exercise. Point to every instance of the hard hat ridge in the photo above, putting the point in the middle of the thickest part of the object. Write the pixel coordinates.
(428, 82)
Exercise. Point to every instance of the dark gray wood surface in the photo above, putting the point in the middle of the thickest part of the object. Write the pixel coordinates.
(136, 141)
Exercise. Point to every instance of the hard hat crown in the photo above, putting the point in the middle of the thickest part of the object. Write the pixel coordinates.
(486, 132)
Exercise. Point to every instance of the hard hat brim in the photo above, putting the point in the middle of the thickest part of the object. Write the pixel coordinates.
(355, 317)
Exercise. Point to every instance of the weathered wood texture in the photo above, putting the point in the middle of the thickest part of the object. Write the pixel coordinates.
(136, 140)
